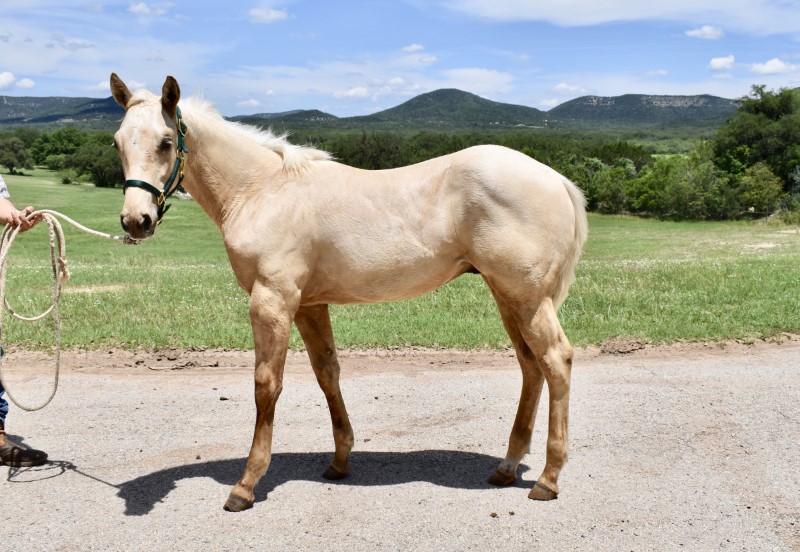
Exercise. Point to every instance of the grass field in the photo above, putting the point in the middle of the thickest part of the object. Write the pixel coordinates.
(639, 279)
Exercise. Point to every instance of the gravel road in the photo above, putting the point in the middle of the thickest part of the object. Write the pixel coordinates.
(672, 448)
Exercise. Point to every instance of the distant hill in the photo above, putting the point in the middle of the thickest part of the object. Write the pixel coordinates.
(446, 109)
(303, 118)
(637, 110)
(450, 108)
(51, 112)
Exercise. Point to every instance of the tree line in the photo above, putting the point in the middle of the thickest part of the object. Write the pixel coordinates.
(73, 153)
(751, 168)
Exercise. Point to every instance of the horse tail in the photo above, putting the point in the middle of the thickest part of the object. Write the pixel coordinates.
(581, 233)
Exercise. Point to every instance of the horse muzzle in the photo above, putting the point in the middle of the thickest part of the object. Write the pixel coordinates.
(138, 226)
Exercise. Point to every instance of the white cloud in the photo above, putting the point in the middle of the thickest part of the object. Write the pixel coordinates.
(70, 44)
(564, 88)
(267, 15)
(5, 37)
(411, 48)
(721, 63)
(354, 92)
(25, 83)
(774, 66)
(756, 16)
(657, 73)
(252, 102)
(550, 103)
(6, 79)
(150, 10)
(139, 9)
(415, 59)
(706, 32)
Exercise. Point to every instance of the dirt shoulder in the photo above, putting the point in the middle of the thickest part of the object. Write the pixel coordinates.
(361, 360)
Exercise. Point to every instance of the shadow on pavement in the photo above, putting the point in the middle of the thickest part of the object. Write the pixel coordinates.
(462, 470)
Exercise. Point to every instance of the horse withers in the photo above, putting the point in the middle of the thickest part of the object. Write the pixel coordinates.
(303, 232)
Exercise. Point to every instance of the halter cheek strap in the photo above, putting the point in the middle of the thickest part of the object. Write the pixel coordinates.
(175, 178)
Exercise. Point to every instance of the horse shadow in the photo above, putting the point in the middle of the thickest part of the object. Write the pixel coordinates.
(456, 469)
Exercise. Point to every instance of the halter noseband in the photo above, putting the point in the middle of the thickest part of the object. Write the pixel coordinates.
(177, 173)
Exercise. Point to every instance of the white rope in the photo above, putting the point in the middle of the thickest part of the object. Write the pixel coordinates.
(60, 276)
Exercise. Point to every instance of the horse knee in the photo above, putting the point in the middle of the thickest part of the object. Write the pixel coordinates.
(267, 389)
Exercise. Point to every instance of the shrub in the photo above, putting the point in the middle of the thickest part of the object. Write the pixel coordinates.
(759, 190)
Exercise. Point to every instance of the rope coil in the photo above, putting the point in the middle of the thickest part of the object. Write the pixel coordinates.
(60, 276)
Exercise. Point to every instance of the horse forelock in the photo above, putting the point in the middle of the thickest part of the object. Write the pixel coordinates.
(139, 97)
(294, 157)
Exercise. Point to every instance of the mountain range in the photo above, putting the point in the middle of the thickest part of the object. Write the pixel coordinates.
(446, 109)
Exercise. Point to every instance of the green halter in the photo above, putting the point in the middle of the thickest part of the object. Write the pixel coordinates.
(177, 173)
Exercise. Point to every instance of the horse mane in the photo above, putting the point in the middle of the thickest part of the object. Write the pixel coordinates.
(294, 157)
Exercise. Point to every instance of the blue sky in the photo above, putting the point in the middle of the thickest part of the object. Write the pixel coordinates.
(354, 58)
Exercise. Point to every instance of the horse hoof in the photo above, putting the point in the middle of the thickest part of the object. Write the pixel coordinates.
(540, 492)
(236, 503)
(333, 474)
(502, 478)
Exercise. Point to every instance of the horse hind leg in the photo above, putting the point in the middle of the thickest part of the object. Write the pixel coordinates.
(532, 382)
(543, 334)
(314, 325)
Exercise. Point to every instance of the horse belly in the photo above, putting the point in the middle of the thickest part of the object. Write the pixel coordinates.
(369, 282)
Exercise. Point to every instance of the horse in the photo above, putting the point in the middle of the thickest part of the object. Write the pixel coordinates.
(303, 231)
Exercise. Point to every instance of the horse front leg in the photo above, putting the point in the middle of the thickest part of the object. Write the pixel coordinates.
(271, 318)
(314, 325)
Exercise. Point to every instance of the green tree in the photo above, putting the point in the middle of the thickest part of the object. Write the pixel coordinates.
(647, 193)
(765, 129)
(97, 159)
(605, 186)
(611, 152)
(374, 150)
(64, 141)
(27, 135)
(684, 187)
(14, 155)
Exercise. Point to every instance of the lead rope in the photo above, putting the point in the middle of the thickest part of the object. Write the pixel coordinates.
(60, 276)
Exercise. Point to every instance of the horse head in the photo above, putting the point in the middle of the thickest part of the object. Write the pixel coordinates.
(150, 145)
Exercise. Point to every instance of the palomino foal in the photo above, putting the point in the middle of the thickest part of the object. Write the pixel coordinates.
(303, 232)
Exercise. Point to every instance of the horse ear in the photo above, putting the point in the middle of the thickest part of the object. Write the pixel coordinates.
(120, 91)
(170, 94)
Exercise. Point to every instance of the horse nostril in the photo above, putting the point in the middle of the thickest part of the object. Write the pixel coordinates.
(124, 224)
(147, 223)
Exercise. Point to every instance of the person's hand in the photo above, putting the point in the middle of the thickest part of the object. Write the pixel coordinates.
(23, 218)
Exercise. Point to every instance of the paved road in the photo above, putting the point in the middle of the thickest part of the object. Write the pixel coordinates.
(694, 448)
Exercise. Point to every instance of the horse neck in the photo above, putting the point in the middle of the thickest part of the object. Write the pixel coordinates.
(218, 163)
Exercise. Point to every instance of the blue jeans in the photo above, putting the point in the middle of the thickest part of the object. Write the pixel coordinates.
(3, 405)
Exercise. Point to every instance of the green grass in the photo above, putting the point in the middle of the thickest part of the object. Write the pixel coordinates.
(665, 282)
(640, 279)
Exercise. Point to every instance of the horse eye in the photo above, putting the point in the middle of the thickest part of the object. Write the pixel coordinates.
(114, 145)
(166, 144)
